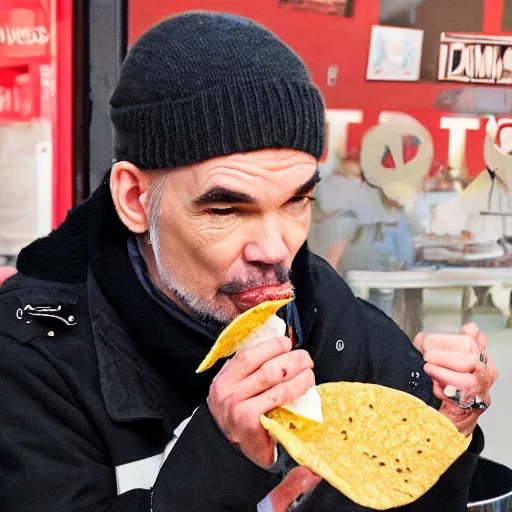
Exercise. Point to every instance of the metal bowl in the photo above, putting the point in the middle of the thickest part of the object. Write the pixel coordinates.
(491, 488)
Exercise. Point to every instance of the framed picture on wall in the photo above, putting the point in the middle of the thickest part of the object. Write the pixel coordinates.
(333, 7)
(395, 54)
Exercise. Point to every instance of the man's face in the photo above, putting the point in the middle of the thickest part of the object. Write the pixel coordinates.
(229, 229)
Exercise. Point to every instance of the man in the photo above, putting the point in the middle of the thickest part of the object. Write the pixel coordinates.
(386, 199)
(484, 210)
(218, 130)
(342, 197)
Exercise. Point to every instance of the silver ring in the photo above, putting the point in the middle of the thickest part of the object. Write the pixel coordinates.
(483, 357)
(476, 404)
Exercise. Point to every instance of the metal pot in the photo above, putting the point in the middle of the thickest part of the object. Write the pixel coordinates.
(491, 488)
(500, 504)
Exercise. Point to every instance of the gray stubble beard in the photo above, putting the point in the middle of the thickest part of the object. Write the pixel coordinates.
(200, 307)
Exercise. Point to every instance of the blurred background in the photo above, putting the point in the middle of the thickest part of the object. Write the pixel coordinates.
(415, 206)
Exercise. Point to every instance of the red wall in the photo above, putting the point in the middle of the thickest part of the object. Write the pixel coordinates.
(330, 40)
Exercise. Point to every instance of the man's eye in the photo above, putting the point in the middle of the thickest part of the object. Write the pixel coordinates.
(222, 211)
(302, 199)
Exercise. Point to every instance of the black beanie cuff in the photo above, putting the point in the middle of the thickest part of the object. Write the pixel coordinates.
(237, 118)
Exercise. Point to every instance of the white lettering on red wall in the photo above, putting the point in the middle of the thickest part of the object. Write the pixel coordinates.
(24, 36)
(458, 153)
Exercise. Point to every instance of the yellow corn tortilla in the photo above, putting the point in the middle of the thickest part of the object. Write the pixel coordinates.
(238, 330)
(380, 447)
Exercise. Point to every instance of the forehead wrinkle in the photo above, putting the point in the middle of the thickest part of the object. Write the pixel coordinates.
(250, 172)
(245, 177)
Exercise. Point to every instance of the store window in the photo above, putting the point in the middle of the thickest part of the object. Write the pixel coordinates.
(25, 130)
(30, 194)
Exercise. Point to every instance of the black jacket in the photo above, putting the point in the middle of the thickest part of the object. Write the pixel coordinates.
(93, 401)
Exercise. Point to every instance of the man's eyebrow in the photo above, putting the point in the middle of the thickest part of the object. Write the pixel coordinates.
(224, 195)
(306, 187)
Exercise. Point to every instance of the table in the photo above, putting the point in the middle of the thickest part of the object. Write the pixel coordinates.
(409, 285)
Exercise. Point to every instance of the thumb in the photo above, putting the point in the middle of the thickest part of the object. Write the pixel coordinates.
(472, 330)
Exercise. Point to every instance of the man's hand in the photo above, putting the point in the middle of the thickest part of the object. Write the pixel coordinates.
(252, 383)
(459, 361)
(5, 273)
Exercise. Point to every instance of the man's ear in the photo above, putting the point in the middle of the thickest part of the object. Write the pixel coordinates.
(129, 187)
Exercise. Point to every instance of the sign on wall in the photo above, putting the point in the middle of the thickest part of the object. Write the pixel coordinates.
(475, 59)
(333, 7)
(24, 35)
(395, 54)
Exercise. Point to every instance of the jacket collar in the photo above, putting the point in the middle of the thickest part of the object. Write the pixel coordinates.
(131, 388)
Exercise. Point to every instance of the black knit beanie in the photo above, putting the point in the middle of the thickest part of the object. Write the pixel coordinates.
(201, 85)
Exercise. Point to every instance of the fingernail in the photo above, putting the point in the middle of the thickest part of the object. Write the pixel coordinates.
(451, 392)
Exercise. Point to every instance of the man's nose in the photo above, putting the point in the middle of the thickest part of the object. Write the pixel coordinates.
(267, 244)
